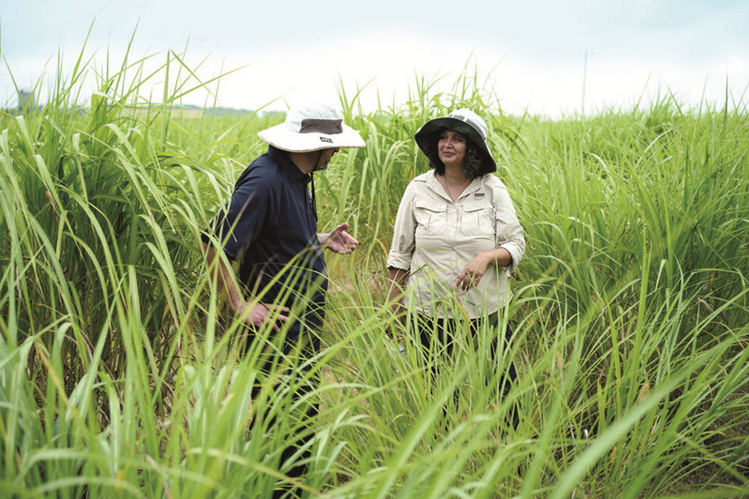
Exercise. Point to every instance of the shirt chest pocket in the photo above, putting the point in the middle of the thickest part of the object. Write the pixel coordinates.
(478, 218)
(431, 218)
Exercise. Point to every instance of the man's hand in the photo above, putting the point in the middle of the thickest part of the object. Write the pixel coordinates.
(259, 313)
(339, 241)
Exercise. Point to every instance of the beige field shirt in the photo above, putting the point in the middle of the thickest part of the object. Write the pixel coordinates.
(435, 238)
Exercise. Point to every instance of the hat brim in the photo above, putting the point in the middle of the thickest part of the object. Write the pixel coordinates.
(448, 123)
(282, 138)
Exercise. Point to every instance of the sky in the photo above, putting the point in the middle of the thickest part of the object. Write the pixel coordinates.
(546, 57)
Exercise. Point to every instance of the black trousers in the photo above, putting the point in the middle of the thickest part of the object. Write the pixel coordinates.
(300, 355)
(438, 336)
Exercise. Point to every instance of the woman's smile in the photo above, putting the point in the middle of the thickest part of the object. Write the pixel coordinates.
(451, 148)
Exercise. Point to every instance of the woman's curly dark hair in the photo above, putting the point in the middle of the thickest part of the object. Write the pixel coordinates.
(473, 163)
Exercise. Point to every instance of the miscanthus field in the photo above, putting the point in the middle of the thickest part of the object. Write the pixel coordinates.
(119, 366)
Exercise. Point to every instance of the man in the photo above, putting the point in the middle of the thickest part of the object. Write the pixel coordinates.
(270, 227)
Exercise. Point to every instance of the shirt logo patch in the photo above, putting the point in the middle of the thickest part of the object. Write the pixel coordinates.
(326, 139)
(478, 195)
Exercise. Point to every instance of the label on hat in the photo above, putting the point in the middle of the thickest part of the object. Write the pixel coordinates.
(326, 139)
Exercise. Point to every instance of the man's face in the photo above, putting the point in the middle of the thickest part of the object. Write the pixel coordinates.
(324, 158)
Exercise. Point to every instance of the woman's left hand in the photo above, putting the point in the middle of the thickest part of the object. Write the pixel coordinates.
(476, 268)
(473, 272)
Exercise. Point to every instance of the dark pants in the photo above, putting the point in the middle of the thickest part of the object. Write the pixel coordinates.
(299, 357)
(438, 338)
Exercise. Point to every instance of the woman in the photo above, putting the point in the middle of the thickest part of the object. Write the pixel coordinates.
(457, 237)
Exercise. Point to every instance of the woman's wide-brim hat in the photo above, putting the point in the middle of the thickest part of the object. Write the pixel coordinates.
(312, 128)
(462, 121)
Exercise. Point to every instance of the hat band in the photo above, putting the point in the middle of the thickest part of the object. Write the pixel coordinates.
(468, 120)
(317, 125)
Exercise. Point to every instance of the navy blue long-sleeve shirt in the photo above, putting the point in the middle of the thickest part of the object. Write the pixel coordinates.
(269, 226)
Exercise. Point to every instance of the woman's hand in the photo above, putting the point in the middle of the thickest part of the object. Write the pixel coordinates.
(396, 284)
(339, 241)
(476, 268)
(473, 272)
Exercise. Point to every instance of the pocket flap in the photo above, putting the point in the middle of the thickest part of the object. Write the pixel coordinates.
(472, 205)
(425, 204)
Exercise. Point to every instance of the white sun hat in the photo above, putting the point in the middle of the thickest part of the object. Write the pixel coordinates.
(312, 128)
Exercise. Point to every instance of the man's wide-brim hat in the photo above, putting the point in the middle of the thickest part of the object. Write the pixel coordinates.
(310, 129)
(462, 121)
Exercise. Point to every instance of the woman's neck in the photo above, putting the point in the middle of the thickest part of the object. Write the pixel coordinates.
(455, 175)
(454, 181)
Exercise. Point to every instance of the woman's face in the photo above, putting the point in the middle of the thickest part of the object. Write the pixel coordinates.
(451, 148)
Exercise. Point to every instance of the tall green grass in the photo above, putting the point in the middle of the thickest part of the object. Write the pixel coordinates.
(119, 369)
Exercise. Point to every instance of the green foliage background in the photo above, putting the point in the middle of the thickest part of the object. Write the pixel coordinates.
(119, 373)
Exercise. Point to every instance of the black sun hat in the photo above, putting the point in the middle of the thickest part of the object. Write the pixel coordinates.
(462, 121)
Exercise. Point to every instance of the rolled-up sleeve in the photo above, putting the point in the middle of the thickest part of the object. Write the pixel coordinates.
(509, 232)
(402, 248)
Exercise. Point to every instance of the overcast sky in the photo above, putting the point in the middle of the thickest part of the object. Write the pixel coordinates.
(535, 55)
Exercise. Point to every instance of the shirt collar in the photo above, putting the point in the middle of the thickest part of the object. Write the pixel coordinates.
(474, 186)
(435, 185)
(292, 171)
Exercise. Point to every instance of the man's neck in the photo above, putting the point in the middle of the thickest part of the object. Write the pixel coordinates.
(305, 161)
